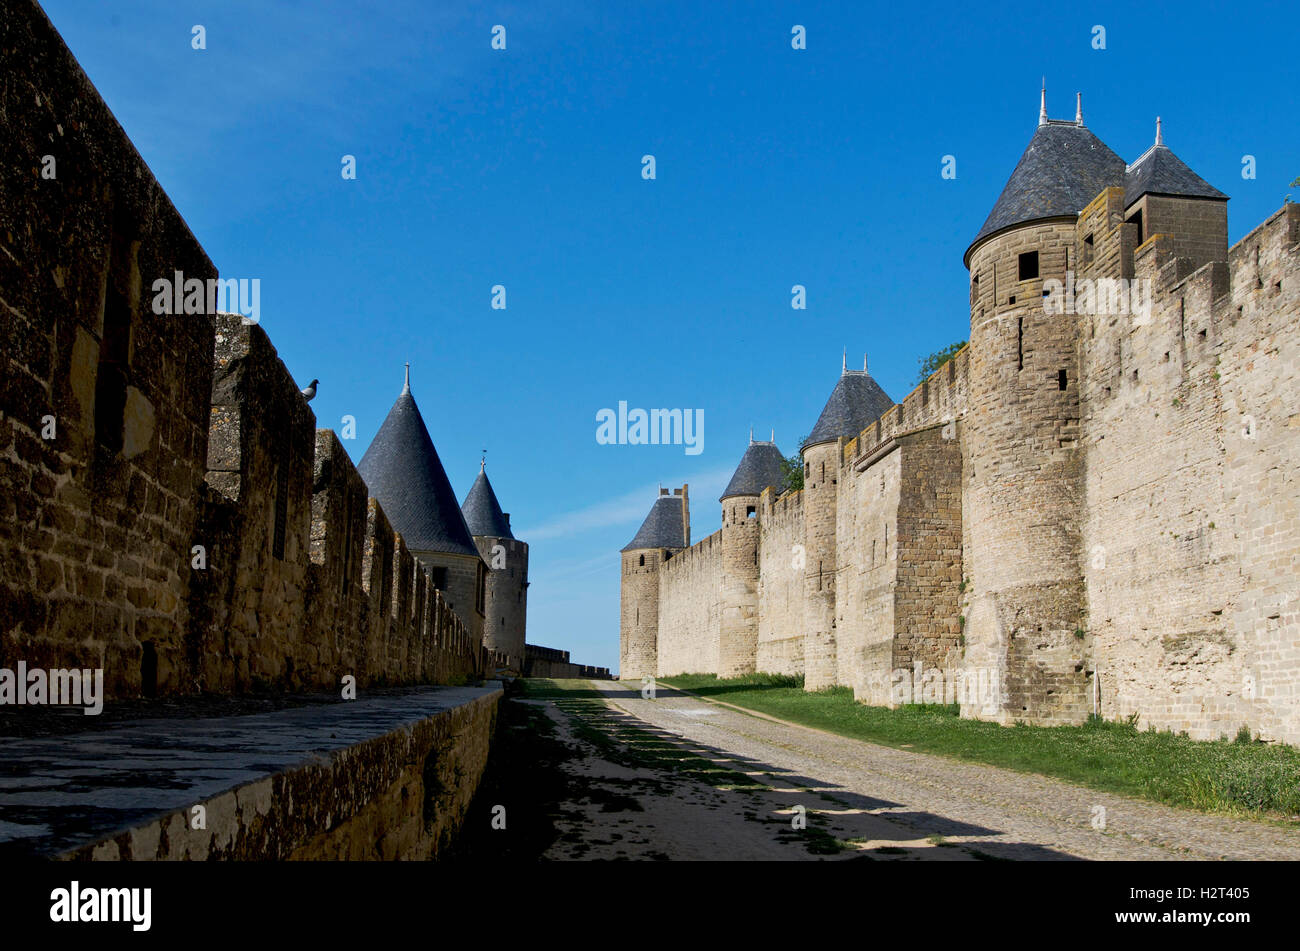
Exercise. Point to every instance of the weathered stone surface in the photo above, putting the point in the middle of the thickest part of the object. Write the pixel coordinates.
(170, 512)
(381, 777)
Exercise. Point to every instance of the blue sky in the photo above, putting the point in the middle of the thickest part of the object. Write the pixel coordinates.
(522, 167)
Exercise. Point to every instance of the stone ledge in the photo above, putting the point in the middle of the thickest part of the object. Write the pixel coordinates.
(384, 777)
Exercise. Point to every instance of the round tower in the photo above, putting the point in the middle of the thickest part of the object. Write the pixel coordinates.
(1023, 462)
(505, 600)
(665, 530)
(403, 472)
(856, 402)
(761, 466)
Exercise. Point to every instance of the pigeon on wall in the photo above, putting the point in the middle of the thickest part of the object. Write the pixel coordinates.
(310, 392)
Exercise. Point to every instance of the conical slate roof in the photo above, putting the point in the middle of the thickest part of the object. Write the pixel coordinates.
(761, 465)
(663, 527)
(1063, 168)
(482, 512)
(403, 472)
(856, 402)
(1160, 172)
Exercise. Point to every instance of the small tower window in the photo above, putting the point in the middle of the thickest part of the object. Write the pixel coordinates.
(642, 561)
(1088, 248)
(1029, 265)
(749, 511)
(1061, 379)
(439, 577)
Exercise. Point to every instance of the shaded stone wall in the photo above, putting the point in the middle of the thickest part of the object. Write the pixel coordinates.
(464, 577)
(97, 520)
(552, 662)
(171, 513)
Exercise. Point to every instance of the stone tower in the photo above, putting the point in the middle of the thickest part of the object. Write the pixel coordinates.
(404, 473)
(505, 604)
(761, 466)
(665, 531)
(1024, 474)
(856, 402)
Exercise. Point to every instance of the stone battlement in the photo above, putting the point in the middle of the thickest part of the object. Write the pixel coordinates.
(172, 514)
(1091, 508)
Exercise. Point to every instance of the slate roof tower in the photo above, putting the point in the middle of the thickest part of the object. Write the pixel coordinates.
(665, 531)
(402, 469)
(1163, 196)
(762, 466)
(855, 403)
(506, 599)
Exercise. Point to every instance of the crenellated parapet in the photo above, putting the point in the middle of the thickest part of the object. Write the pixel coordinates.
(172, 514)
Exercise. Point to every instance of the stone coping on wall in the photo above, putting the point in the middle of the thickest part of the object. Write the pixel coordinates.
(873, 454)
(272, 785)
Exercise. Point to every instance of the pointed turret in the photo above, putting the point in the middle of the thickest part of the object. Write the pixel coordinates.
(482, 511)
(505, 602)
(761, 465)
(856, 402)
(1162, 195)
(1158, 171)
(666, 526)
(1062, 169)
(403, 471)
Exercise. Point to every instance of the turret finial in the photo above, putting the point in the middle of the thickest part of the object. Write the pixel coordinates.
(1042, 104)
(482, 463)
(1078, 108)
(844, 361)
(1160, 137)
(773, 434)
(864, 363)
(751, 435)
(406, 388)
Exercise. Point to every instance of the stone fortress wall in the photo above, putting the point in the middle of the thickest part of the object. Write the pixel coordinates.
(780, 584)
(552, 662)
(690, 608)
(171, 512)
(1191, 540)
(1080, 513)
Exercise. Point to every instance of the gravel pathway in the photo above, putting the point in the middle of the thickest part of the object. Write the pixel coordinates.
(860, 800)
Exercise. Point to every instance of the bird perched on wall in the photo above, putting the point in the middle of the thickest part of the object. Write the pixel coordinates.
(310, 392)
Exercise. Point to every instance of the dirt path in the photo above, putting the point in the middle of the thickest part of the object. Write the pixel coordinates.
(680, 778)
